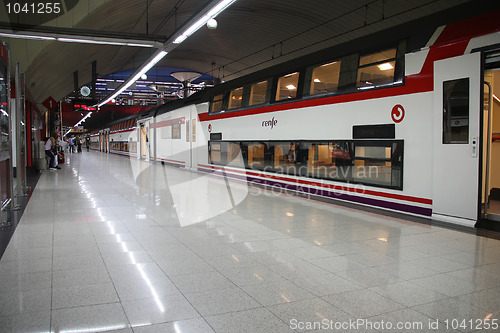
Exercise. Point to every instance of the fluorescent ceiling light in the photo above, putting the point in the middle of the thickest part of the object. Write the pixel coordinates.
(26, 36)
(317, 80)
(80, 39)
(89, 41)
(384, 67)
(139, 45)
(291, 87)
(221, 6)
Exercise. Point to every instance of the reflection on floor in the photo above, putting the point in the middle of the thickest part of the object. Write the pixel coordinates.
(12, 214)
(100, 247)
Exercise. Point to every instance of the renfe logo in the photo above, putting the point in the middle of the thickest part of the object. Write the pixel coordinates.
(267, 123)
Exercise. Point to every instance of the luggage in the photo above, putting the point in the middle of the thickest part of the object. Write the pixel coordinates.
(60, 157)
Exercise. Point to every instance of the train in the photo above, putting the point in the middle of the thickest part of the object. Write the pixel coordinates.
(402, 120)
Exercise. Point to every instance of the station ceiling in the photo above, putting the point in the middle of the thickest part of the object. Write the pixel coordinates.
(251, 35)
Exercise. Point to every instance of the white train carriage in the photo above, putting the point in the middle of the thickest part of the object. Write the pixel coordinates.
(94, 140)
(178, 137)
(121, 138)
(385, 127)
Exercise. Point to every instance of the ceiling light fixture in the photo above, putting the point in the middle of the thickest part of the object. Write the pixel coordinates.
(216, 10)
(385, 66)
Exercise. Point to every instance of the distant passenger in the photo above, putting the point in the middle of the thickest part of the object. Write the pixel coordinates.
(71, 142)
(87, 142)
(78, 143)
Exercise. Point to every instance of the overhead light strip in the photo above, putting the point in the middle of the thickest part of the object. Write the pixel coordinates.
(85, 41)
(216, 10)
(37, 37)
(81, 39)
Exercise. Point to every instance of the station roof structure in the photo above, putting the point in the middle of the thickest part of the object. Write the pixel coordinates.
(251, 35)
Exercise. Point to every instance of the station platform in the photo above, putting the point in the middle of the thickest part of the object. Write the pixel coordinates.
(113, 244)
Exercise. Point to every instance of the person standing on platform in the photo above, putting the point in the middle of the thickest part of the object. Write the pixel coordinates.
(50, 144)
(87, 142)
(78, 143)
(71, 141)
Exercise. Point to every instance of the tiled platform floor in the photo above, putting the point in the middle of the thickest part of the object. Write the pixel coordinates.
(100, 247)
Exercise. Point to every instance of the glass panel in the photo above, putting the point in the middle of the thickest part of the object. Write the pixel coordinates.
(258, 93)
(217, 103)
(373, 152)
(232, 154)
(235, 98)
(193, 132)
(397, 165)
(256, 156)
(331, 160)
(373, 165)
(215, 153)
(376, 75)
(284, 157)
(377, 57)
(373, 172)
(325, 78)
(456, 111)
(376, 69)
(287, 86)
(176, 129)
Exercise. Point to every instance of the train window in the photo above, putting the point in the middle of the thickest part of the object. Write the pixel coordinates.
(232, 153)
(258, 93)
(371, 162)
(378, 164)
(284, 154)
(225, 153)
(330, 160)
(287, 86)
(235, 98)
(193, 130)
(456, 111)
(176, 129)
(215, 152)
(323, 78)
(256, 155)
(217, 103)
(376, 69)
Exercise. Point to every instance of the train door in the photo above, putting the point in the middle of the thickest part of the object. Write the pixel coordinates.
(143, 143)
(457, 86)
(491, 147)
(190, 122)
(101, 141)
(106, 140)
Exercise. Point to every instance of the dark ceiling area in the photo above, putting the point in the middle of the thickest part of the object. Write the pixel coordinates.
(251, 35)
